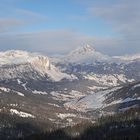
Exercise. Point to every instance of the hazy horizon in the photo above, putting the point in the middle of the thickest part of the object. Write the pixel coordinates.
(57, 27)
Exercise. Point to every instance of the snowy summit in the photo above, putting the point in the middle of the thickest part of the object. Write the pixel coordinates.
(86, 54)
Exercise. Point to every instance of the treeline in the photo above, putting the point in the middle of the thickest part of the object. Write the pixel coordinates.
(13, 126)
(122, 126)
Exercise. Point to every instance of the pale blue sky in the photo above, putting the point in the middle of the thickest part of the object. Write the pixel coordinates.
(58, 26)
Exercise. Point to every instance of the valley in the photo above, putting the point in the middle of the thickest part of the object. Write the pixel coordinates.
(49, 93)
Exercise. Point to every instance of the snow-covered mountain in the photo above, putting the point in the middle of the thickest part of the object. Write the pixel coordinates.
(86, 54)
(21, 64)
(87, 63)
(84, 63)
(57, 92)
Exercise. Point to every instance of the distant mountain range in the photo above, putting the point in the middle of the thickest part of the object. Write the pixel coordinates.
(82, 85)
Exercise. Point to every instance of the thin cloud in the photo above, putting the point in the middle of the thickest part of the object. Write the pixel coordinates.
(30, 13)
(124, 18)
(61, 42)
(7, 24)
(122, 15)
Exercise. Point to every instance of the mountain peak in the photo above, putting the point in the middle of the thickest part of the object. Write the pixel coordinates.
(86, 54)
(14, 53)
(82, 50)
(87, 48)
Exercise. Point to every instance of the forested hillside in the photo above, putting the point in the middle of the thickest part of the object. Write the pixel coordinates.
(122, 126)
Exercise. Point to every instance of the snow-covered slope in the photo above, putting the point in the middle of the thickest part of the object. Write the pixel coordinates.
(86, 54)
(90, 102)
(108, 79)
(15, 63)
(128, 57)
(115, 99)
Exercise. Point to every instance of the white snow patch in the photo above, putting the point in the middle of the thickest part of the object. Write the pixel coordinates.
(138, 85)
(19, 82)
(109, 79)
(20, 94)
(65, 115)
(69, 120)
(39, 92)
(95, 88)
(53, 105)
(13, 105)
(68, 96)
(50, 119)
(24, 86)
(5, 89)
(76, 94)
(21, 114)
(55, 74)
(8, 90)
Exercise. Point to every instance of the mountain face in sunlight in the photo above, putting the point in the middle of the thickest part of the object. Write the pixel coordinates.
(70, 70)
(48, 93)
